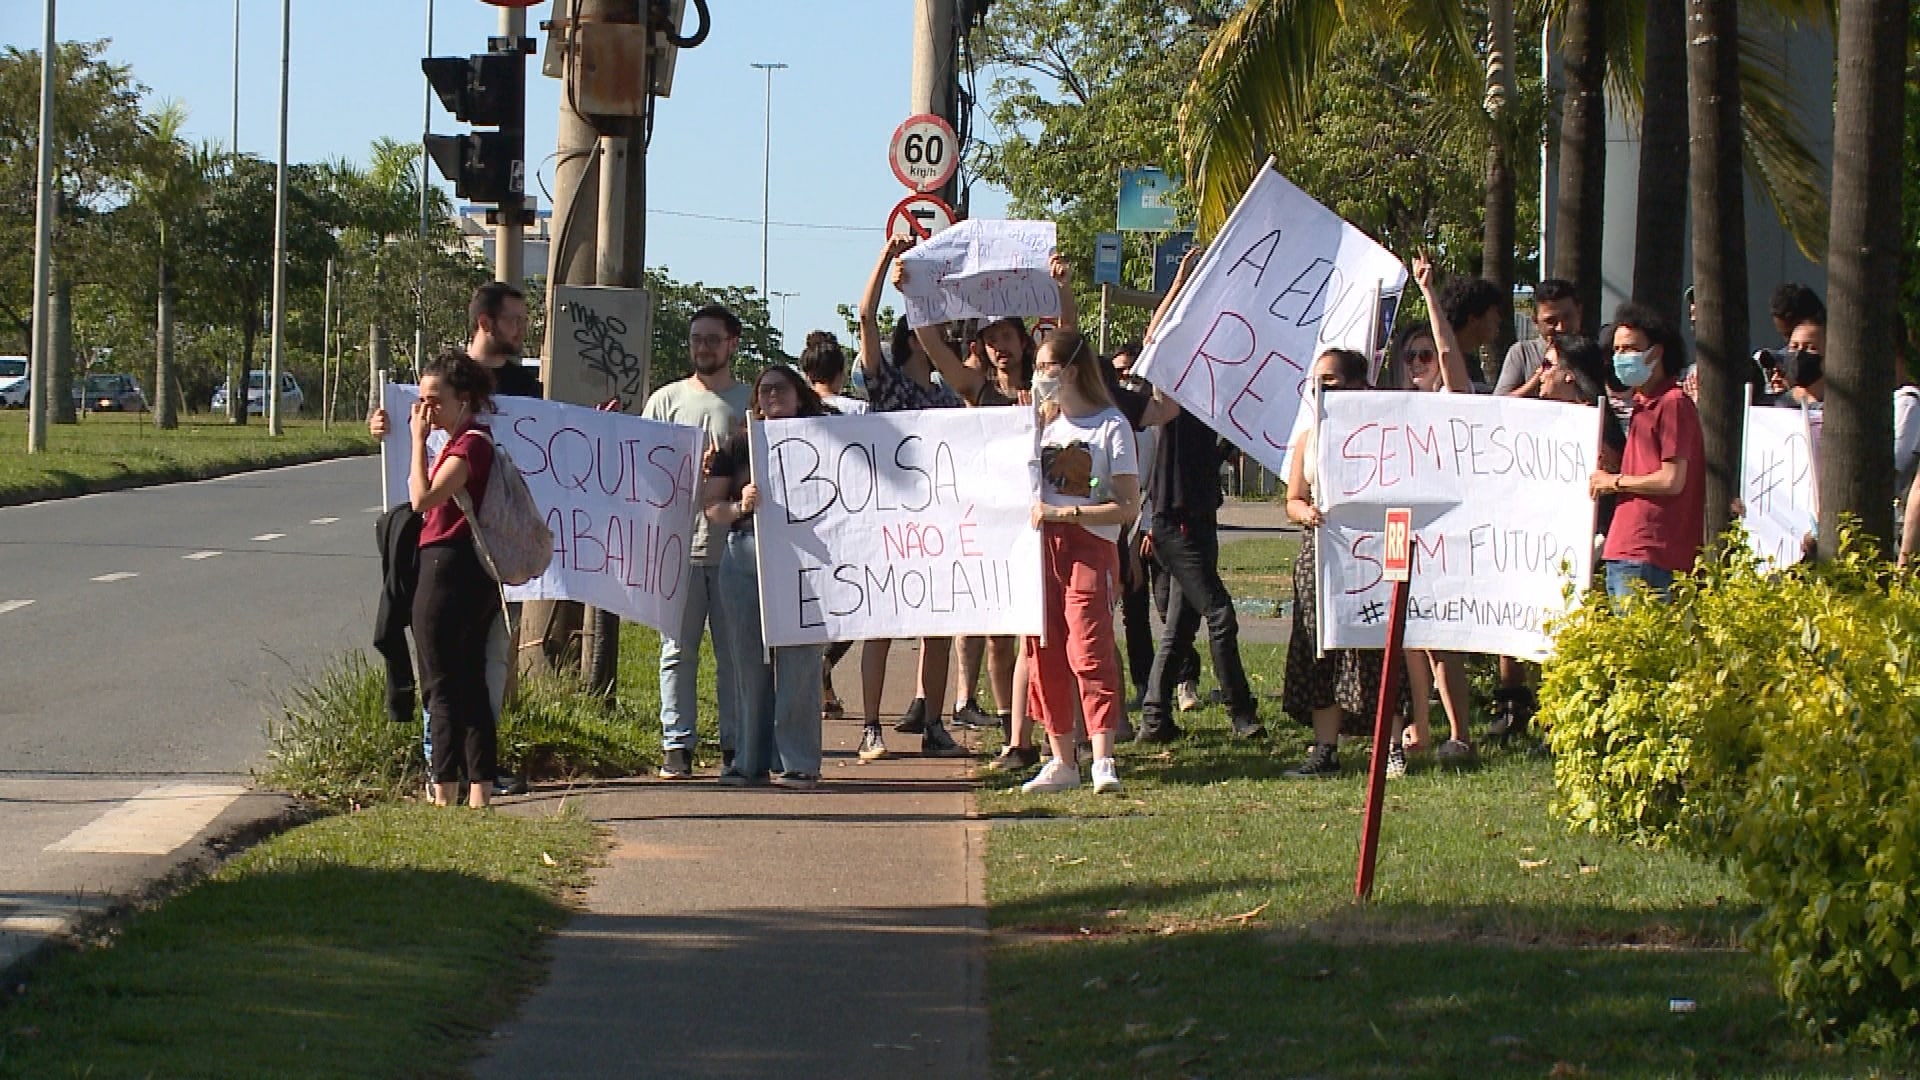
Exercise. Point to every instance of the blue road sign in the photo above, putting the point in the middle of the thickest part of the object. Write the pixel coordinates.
(1145, 201)
(1166, 259)
(1107, 250)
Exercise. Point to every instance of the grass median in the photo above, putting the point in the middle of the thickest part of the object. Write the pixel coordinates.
(1202, 923)
(381, 943)
(111, 451)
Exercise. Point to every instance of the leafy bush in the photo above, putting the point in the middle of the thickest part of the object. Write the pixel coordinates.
(333, 742)
(1774, 721)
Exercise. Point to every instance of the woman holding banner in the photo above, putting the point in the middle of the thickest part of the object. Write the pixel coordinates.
(1090, 488)
(778, 690)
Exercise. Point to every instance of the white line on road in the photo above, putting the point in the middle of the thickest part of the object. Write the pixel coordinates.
(155, 822)
(323, 521)
(120, 575)
(198, 555)
(12, 605)
(269, 536)
(373, 510)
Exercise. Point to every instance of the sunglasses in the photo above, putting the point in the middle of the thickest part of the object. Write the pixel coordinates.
(1422, 356)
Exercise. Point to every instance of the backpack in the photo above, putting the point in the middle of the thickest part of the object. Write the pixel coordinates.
(510, 533)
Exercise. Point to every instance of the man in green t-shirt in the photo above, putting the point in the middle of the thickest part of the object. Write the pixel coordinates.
(713, 401)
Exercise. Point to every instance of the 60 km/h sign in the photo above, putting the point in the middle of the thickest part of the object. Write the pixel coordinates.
(919, 216)
(925, 153)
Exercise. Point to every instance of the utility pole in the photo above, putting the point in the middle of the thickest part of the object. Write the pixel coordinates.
(936, 83)
(40, 385)
(426, 129)
(233, 147)
(766, 173)
(784, 297)
(276, 353)
(509, 235)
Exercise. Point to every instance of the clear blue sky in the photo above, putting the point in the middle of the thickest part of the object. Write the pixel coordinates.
(356, 77)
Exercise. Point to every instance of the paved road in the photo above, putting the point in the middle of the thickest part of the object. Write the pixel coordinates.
(146, 632)
(143, 638)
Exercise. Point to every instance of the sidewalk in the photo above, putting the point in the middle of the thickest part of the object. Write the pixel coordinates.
(747, 932)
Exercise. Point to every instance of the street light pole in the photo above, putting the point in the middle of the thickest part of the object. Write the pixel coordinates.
(784, 297)
(420, 283)
(277, 352)
(766, 176)
(40, 386)
(234, 146)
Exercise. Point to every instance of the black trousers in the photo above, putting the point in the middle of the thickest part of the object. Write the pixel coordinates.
(1149, 585)
(1187, 547)
(454, 606)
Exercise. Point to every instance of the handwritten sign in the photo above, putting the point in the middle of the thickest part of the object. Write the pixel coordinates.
(1285, 280)
(900, 524)
(602, 345)
(1502, 524)
(981, 270)
(618, 491)
(1779, 484)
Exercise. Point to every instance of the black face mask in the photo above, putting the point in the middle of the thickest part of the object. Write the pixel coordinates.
(1803, 368)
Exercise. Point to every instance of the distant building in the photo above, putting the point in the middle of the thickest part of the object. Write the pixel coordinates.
(477, 235)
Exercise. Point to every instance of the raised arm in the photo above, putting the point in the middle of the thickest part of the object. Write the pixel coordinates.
(1187, 263)
(870, 344)
(1453, 362)
(962, 379)
(1062, 272)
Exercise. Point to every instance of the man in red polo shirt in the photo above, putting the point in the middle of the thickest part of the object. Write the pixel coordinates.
(1658, 529)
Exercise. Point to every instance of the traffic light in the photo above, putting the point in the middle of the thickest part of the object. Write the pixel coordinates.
(485, 90)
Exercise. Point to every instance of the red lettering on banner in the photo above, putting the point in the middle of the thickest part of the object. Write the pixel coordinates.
(1366, 540)
(1247, 391)
(1223, 358)
(1437, 551)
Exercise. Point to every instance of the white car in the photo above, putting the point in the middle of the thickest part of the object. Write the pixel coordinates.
(13, 382)
(291, 399)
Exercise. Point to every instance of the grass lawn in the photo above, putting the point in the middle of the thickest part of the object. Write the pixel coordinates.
(368, 944)
(1260, 569)
(108, 451)
(1202, 924)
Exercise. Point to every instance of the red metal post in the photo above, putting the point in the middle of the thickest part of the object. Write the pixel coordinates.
(1382, 731)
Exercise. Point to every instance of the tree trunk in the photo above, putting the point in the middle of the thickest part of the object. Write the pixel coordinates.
(1659, 270)
(61, 317)
(1719, 244)
(164, 416)
(1863, 272)
(1579, 217)
(1496, 247)
(237, 380)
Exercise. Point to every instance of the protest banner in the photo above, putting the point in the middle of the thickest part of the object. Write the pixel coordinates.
(618, 491)
(1502, 522)
(981, 270)
(1285, 280)
(1779, 483)
(899, 524)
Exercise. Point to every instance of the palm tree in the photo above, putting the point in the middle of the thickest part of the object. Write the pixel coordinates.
(170, 182)
(1863, 269)
(1579, 213)
(1497, 239)
(1719, 243)
(1659, 265)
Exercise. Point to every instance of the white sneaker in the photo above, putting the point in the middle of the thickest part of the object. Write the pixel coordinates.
(1055, 775)
(1106, 776)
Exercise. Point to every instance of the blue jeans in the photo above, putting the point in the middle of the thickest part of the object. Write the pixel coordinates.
(779, 728)
(680, 664)
(499, 644)
(1621, 574)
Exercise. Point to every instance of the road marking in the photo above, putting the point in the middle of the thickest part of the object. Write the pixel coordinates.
(323, 521)
(12, 605)
(268, 536)
(155, 822)
(120, 575)
(373, 510)
(198, 555)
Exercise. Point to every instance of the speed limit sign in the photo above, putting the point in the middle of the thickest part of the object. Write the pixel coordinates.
(925, 152)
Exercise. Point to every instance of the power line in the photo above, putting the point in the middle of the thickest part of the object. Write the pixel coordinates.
(756, 221)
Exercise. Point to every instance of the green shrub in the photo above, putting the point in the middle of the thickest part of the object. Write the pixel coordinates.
(556, 731)
(1774, 721)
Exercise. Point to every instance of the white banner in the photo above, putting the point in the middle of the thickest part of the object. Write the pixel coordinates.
(899, 524)
(1502, 522)
(1284, 281)
(981, 269)
(619, 494)
(1779, 484)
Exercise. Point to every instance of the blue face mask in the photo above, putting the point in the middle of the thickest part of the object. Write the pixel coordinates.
(1632, 368)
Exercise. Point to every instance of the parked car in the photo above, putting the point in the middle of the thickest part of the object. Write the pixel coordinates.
(13, 382)
(291, 399)
(111, 393)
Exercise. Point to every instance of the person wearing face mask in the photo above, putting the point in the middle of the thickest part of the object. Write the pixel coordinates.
(1658, 525)
(1802, 373)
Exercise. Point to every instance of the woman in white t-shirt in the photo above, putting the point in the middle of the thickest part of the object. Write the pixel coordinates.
(1089, 489)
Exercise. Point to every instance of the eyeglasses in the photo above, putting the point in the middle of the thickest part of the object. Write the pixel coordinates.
(1422, 356)
(708, 340)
